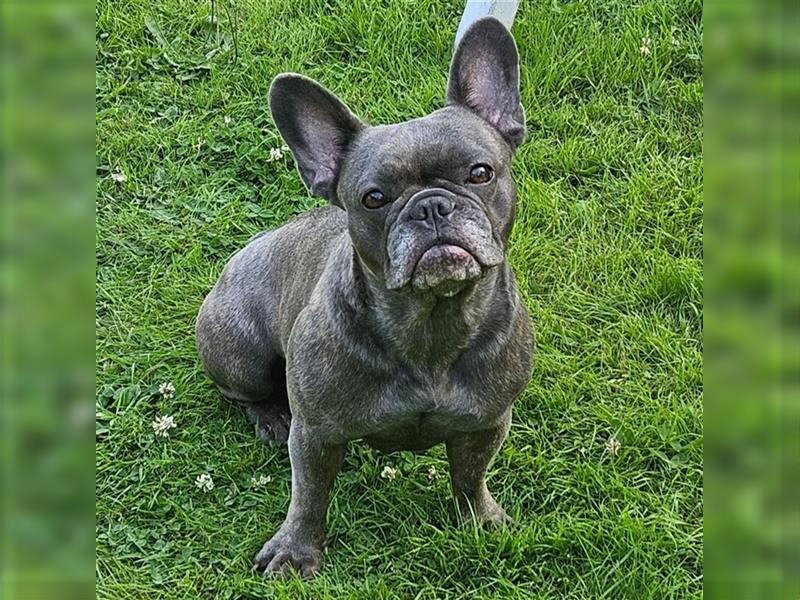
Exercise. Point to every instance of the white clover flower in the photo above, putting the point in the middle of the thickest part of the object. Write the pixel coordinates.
(227, 120)
(389, 473)
(204, 482)
(118, 177)
(613, 446)
(163, 424)
(285, 149)
(166, 389)
(433, 474)
(645, 47)
(262, 481)
(275, 154)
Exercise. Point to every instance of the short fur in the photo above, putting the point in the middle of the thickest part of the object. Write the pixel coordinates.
(400, 325)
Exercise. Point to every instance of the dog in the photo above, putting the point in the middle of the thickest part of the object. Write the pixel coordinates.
(390, 315)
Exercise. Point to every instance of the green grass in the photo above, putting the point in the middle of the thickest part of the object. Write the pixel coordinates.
(608, 252)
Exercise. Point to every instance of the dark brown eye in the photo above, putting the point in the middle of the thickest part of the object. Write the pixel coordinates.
(374, 199)
(480, 174)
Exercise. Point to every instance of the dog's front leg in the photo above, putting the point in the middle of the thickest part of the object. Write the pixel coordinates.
(469, 455)
(299, 541)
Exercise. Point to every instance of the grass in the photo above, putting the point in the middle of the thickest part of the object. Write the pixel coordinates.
(608, 252)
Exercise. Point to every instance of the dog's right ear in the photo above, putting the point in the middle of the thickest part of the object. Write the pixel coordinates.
(317, 126)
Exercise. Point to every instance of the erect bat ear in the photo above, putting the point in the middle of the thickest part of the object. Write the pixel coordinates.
(317, 126)
(484, 77)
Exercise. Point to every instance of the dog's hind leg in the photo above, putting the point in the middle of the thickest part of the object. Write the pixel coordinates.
(245, 367)
(267, 407)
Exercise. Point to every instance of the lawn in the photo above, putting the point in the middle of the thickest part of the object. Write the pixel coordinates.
(607, 248)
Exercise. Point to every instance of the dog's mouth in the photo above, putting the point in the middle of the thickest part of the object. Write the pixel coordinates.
(445, 270)
(440, 253)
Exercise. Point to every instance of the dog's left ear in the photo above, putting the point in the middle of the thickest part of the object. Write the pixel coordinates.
(484, 77)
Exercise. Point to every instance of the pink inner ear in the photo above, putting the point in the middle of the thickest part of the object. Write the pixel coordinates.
(323, 179)
(486, 87)
(324, 141)
(490, 110)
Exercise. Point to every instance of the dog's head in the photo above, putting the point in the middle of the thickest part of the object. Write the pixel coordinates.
(430, 202)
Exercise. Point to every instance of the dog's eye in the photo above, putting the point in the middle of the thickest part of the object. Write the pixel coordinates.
(480, 174)
(374, 199)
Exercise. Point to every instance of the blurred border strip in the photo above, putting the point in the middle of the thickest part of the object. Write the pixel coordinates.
(47, 287)
(752, 377)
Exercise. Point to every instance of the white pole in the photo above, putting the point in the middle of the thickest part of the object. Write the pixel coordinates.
(503, 10)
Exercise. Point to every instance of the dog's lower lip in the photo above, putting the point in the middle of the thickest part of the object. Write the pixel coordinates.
(445, 269)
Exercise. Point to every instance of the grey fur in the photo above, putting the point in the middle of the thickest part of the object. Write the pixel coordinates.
(400, 325)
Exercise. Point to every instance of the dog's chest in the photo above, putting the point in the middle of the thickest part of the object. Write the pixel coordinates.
(412, 413)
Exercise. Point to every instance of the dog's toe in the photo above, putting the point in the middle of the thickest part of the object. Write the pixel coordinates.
(281, 557)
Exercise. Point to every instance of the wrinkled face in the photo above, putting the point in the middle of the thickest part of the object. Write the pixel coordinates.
(430, 202)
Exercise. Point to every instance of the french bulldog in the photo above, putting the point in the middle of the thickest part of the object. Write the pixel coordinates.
(390, 315)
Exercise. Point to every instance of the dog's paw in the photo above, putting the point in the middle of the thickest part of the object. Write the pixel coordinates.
(489, 514)
(494, 517)
(272, 424)
(281, 555)
(275, 431)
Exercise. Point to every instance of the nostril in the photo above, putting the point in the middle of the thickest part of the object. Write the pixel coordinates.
(444, 207)
(420, 212)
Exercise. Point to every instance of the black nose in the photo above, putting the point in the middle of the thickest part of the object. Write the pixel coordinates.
(432, 208)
